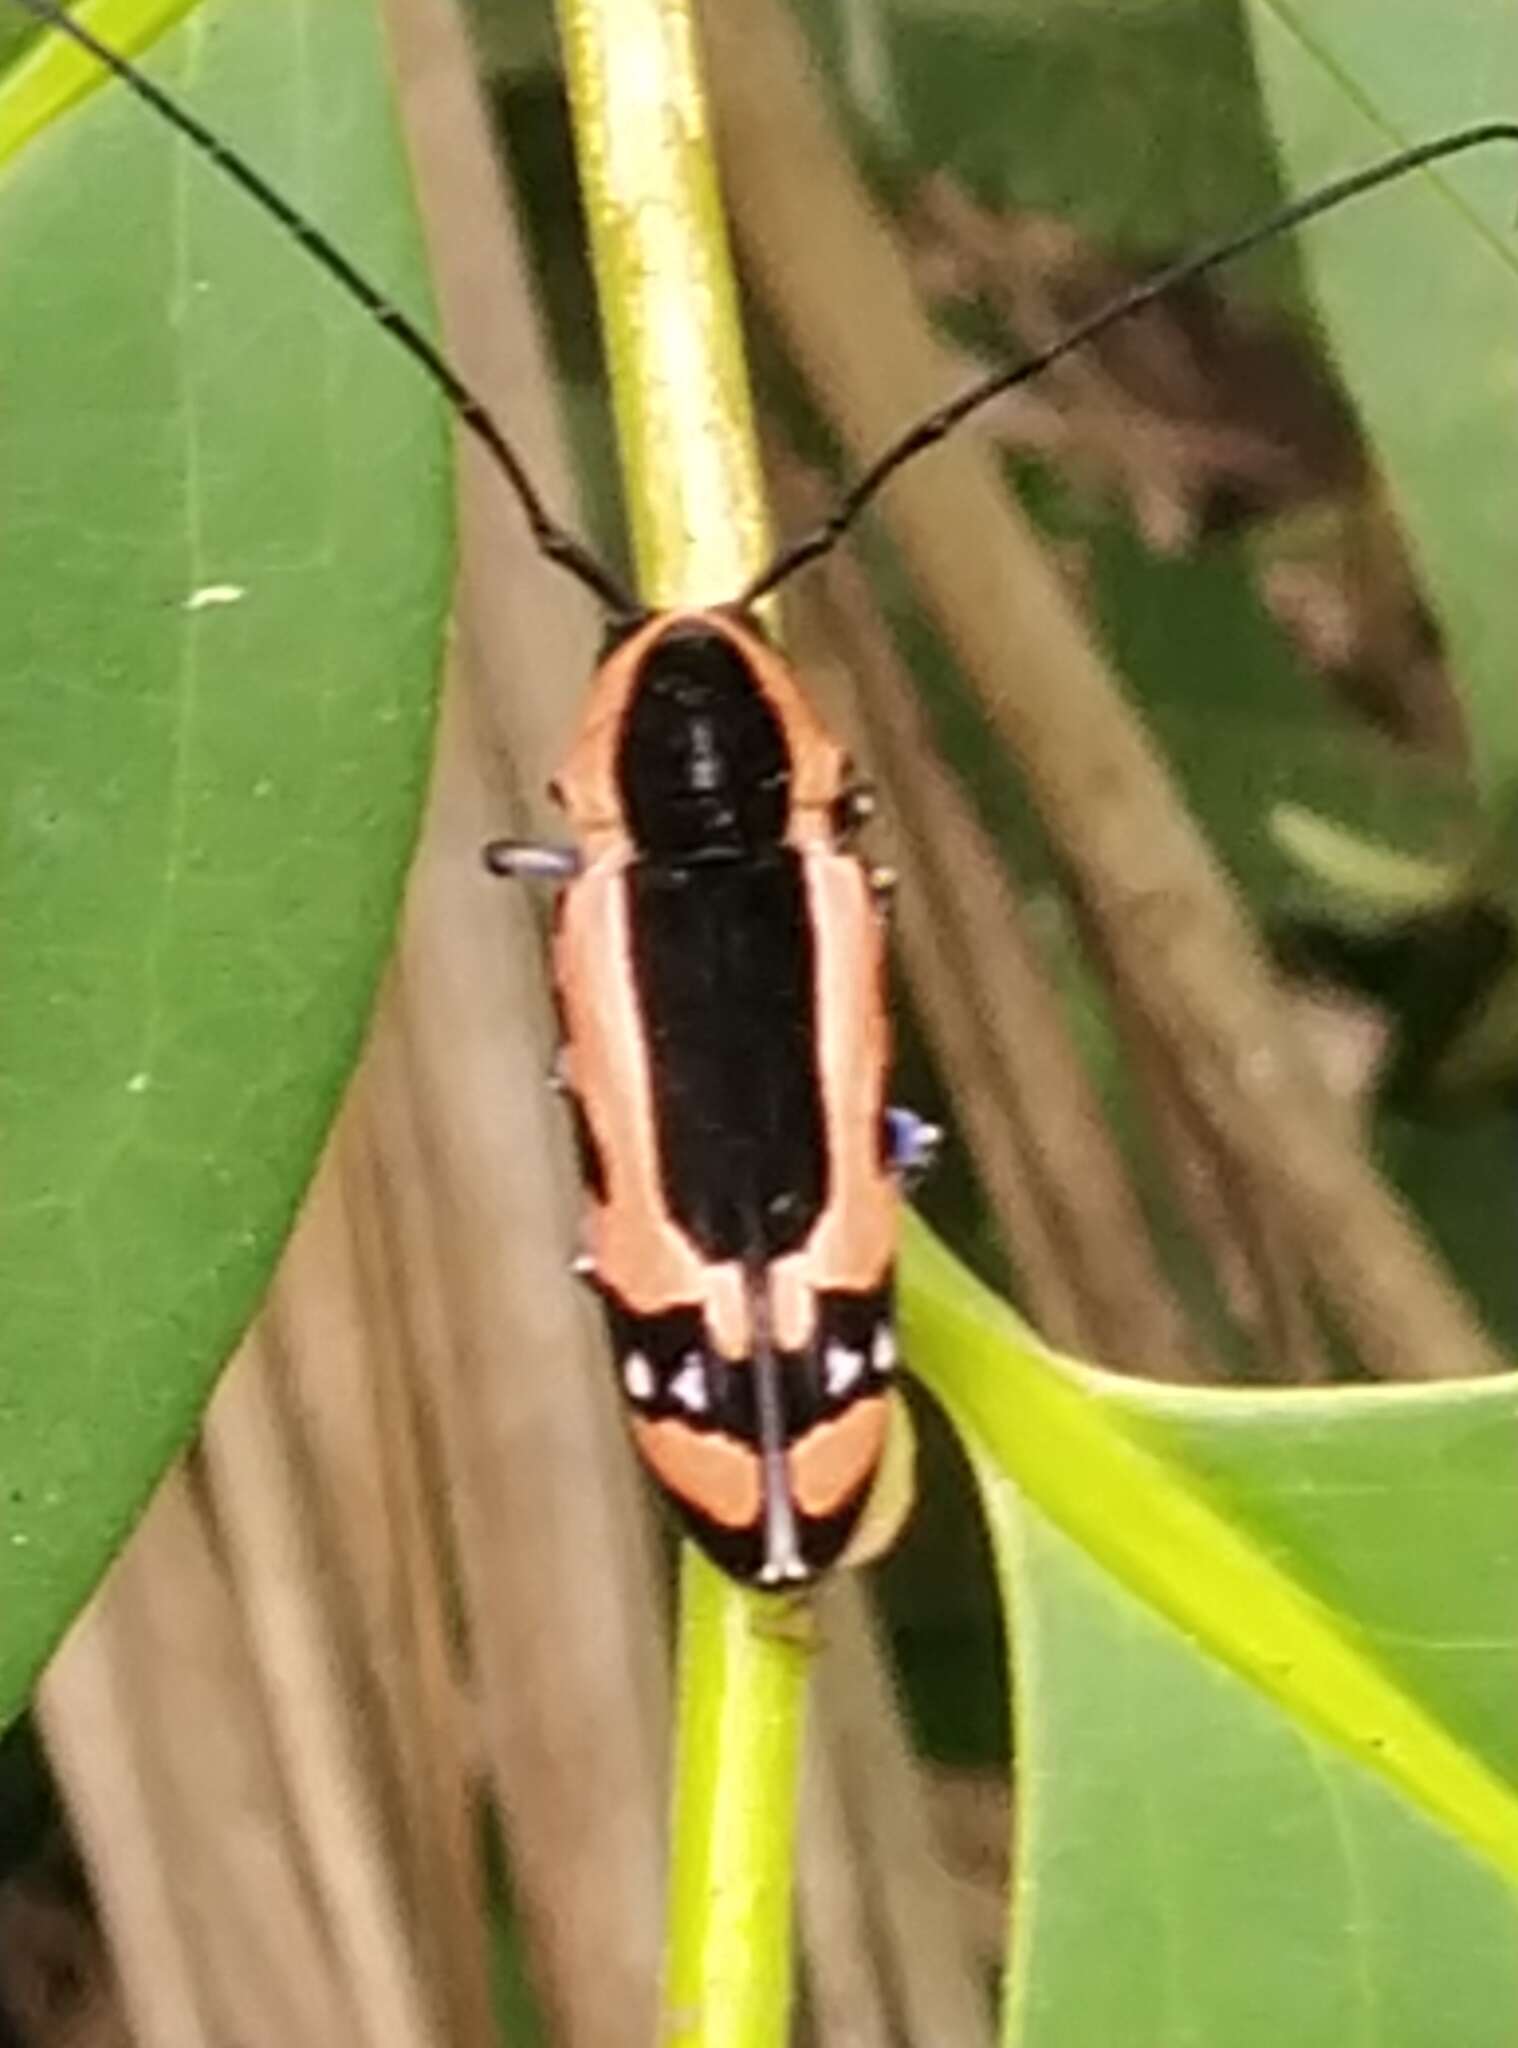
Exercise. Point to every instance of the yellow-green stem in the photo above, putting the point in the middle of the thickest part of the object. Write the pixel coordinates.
(742, 1697)
(669, 307)
(55, 73)
(692, 483)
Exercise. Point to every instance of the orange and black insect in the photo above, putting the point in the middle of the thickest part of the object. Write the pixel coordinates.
(719, 958)
(718, 954)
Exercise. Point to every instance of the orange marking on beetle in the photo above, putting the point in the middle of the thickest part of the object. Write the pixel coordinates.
(725, 1299)
(852, 1241)
(587, 782)
(637, 1248)
(716, 1475)
(793, 1301)
(817, 759)
(834, 1459)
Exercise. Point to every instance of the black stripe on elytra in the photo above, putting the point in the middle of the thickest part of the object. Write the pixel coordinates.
(723, 964)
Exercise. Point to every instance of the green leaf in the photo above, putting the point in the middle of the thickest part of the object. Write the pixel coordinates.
(1264, 1655)
(1418, 288)
(222, 595)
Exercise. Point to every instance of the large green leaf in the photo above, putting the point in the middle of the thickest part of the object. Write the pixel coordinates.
(222, 588)
(1419, 291)
(1265, 1650)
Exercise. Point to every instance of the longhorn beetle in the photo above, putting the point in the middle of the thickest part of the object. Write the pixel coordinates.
(718, 957)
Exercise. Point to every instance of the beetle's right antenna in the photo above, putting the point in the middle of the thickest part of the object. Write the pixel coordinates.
(926, 432)
(555, 542)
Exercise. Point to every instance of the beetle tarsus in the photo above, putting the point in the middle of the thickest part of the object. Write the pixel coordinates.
(854, 808)
(912, 1145)
(883, 885)
(525, 860)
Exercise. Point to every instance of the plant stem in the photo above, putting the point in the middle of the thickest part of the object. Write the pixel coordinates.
(55, 73)
(742, 1695)
(669, 306)
(691, 473)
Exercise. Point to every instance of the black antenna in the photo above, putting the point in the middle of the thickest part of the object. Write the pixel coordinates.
(554, 541)
(811, 546)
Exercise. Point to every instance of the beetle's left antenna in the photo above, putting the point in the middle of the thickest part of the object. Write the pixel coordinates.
(555, 542)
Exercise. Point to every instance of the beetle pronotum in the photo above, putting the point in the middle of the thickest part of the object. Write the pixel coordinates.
(719, 960)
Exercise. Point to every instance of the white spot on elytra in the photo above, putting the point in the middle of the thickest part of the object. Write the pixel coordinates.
(841, 1367)
(210, 594)
(139, 1084)
(883, 1349)
(688, 1387)
(638, 1377)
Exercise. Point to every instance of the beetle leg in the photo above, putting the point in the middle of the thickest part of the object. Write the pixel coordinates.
(912, 1145)
(525, 860)
(853, 808)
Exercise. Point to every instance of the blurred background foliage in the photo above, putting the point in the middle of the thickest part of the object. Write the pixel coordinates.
(1215, 509)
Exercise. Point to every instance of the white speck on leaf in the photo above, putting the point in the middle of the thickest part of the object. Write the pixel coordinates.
(139, 1084)
(212, 594)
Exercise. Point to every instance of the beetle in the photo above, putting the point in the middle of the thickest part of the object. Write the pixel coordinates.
(719, 961)
(719, 957)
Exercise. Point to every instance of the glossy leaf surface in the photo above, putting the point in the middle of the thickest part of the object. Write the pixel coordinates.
(1263, 1652)
(222, 592)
